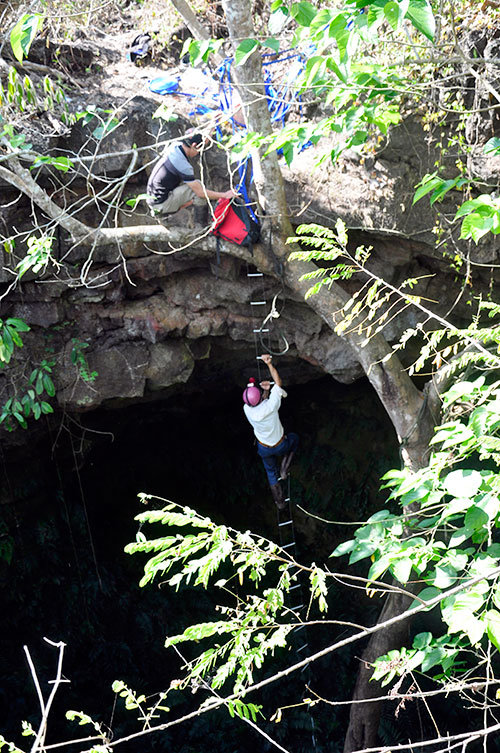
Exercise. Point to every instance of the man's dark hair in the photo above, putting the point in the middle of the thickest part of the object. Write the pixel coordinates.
(195, 138)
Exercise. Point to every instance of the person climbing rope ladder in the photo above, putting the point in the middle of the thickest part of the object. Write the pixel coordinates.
(261, 407)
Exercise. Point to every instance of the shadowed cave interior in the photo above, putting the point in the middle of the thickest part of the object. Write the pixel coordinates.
(70, 499)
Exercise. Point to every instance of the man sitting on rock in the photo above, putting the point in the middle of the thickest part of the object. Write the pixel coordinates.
(172, 185)
(261, 408)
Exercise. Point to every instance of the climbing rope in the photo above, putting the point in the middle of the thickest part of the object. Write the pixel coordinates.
(273, 314)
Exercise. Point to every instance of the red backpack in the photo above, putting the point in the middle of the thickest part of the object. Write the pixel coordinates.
(234, 223)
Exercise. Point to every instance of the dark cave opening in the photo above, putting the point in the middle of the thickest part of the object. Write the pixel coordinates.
(76, 497)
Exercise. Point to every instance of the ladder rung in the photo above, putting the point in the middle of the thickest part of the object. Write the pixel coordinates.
(261, 330)
(305, 668)
(301, 648)
(300, 606)
(287, 499)
(301, 627)
(297, 585)
(287, 546)
(255, 274)
(286, 523)
(257, 303)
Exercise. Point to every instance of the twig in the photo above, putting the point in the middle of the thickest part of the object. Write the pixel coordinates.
(45, 706)
(243, 719)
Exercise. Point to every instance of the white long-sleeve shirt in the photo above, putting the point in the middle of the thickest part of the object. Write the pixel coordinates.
(265, 419)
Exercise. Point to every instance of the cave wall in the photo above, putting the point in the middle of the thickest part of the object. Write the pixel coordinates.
(143, 320)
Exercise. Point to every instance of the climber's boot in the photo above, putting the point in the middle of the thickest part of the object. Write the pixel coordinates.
(278, 496)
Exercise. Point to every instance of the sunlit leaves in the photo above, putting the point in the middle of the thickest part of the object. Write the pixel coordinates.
(492, 146)
(200, 50)
(482, 215)
(493, 626)
(446, 541)
(23, 34)
(420, 14)
(244, 50)
(437, 187)
(303, 12)
(462, 483)
(38, 257)
(244, 710)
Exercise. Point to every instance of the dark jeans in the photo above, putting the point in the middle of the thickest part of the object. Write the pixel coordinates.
(270, 455)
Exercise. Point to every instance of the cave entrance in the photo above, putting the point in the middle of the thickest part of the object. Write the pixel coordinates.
(75, 497)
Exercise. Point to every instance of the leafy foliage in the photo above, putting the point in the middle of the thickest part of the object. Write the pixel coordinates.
(38, 256)
(445, 535)
(371, 307)
(255, 626)
(17, 409)
(80, 361)
(10, 338)
(23, 34)
(481, 215)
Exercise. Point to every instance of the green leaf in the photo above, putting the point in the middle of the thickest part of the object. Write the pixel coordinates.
(420, 14)
(446, 185)
(136, 199)
(482, 205)
(492, 146)
(19, 324)
(60, 163)
(391, 12)
(458, 611)
(278, 19)
(444, 576)
(475, 226)
(422, 640)
(426, 594)
(378, 568)
(463, 483)
(272, 43)
(362, 550)
(23, 34)
(459, 536)
(433, 657)
(380, 515)
(303, 13)
(493, 626)
(476, 518)
(344, 548)
(402, 569)
(49, 385)
(244, 50)
(426, 185)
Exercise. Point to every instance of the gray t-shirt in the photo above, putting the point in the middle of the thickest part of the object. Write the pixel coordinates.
(173, 169)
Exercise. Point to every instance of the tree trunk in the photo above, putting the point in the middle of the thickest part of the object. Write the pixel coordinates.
(189, 17)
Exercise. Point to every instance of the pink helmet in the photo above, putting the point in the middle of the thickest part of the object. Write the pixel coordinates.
(252, 394)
